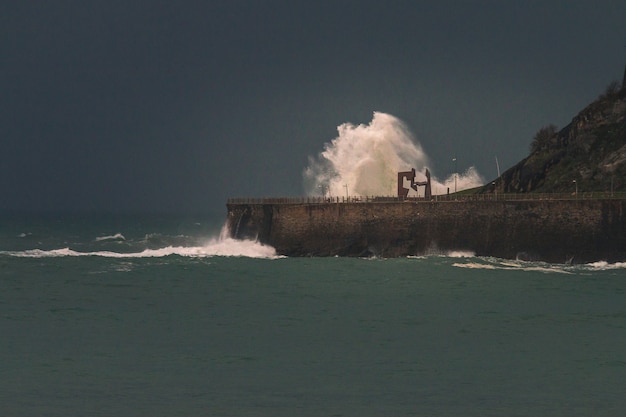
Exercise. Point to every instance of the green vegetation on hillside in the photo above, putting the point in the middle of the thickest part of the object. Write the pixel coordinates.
(589, 153)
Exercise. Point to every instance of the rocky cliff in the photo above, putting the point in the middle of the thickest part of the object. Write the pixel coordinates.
(591, 151)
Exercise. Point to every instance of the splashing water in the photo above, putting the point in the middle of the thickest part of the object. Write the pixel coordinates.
(223, 246)
(364, 161)
(465, 180)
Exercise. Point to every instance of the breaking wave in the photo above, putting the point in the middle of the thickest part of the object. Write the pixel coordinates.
(117, 236)
(502, 264)
(460, 254)
(364, 161)
(247, 249)
(604, 266)
(220, 246)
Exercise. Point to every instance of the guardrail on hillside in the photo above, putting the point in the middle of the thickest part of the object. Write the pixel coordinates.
(448, 197)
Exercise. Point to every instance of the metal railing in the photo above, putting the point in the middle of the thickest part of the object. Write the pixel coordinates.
(435, 198)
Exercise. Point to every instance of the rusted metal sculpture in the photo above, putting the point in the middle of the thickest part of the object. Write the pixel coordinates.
(410, 176)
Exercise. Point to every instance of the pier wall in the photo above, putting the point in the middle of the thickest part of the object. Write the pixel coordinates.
(550, 230)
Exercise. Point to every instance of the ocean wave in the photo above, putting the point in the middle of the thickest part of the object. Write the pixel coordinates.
(500, 264)
(216, 247)
(460, 254)
(475, 265)
(117, 236)
(605, 266)
(155, 240)
(434, 250)
(243, 248)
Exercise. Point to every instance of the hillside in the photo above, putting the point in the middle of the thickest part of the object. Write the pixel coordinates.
(591, 150)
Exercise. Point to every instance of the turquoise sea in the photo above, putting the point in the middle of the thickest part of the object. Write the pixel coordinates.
(144, 315)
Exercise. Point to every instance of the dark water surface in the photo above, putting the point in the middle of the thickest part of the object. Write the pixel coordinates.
(186, 333)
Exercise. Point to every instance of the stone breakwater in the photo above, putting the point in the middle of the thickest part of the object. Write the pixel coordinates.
(550, 230)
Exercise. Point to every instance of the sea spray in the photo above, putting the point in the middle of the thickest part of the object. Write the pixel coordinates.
(225, 245)
(470, 178)
(364, 161)
(222, 245)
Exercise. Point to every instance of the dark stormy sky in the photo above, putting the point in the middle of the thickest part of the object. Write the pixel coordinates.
(176, 105)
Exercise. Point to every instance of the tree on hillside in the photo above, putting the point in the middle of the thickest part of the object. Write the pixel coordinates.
(611, 90)
(541, 140)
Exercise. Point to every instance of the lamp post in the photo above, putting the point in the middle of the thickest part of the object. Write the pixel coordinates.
(576, 185)
(495, 190)
(454, 160)
(346, 186)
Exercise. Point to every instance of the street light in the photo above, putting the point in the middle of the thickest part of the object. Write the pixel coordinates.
(576, 184)
(454, 160)
(495, 190)
(347, 198)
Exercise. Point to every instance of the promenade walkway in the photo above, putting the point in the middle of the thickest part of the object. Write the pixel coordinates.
(458, 197)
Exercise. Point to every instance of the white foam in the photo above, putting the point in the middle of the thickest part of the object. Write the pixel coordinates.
(117, 236)
(223, 245)
(217, 247)
(460, 254)
(496, 264)
(364, 161)
(547, 269)
(605, 266)
(474, 265)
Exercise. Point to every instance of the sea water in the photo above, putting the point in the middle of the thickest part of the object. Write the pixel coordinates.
(104, 315)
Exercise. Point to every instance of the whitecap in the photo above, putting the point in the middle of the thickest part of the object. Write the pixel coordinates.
(475, 265)
(117, 236)
(233, 247)
(496, 264)
(605, 266)
(460, 254)
(217, 247)
(546, 269)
